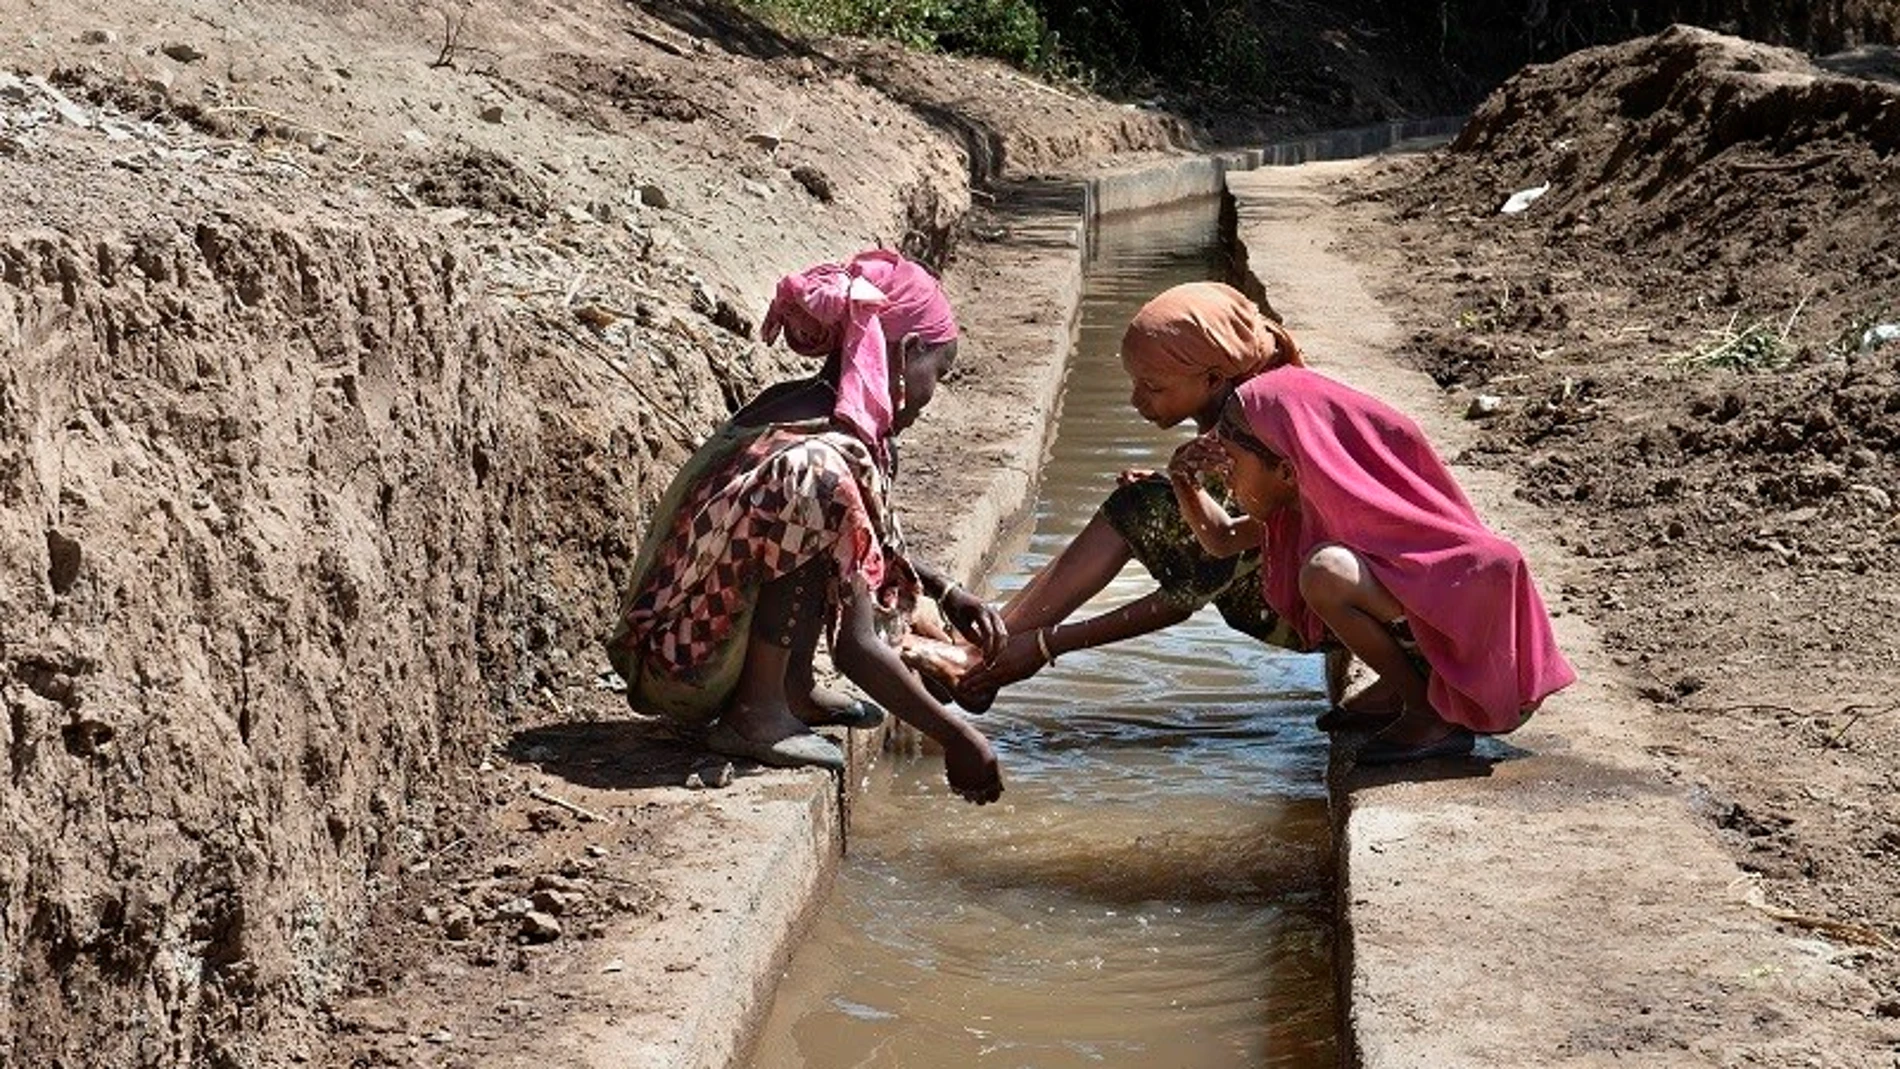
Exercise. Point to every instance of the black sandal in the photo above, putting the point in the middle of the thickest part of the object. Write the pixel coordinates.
(1338, 718)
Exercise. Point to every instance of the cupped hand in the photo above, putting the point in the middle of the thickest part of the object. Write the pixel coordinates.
(1017, 660)
(1196, 455)
(975, 620)
(970, 766)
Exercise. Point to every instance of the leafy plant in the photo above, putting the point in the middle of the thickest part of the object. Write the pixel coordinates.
(1757, 347)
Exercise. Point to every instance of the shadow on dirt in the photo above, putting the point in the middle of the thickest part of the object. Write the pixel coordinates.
(735, 30)
(615, 755)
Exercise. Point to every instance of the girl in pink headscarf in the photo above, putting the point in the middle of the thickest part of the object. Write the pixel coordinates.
(780, 527)
(1367, 537)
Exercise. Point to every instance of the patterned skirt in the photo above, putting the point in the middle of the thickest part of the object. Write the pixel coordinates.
(754, 504)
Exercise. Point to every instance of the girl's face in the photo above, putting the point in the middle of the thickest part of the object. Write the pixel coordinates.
(917, 368)
(1259, 485)
(1261, 480)
(1166, 400)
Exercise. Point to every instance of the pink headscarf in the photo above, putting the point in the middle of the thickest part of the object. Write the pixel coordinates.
(852, 309)
(1368, 480)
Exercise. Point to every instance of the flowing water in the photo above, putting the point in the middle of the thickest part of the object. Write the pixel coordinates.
(1152, 890)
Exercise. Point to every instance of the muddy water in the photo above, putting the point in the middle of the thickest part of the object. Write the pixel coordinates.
(1151, 891)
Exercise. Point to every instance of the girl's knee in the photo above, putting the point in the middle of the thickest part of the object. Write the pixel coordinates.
(1331, 574)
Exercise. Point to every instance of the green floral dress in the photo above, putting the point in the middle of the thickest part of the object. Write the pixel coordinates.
(1147, 516)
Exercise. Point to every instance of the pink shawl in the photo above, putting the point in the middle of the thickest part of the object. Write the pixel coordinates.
(1368, 480)
(854, 309)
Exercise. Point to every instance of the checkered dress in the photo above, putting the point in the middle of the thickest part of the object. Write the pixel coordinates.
(787, 497)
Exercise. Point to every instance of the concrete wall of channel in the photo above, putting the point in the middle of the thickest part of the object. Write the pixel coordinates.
(1029, 270)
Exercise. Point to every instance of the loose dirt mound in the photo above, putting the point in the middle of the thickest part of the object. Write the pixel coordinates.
(1690, 342)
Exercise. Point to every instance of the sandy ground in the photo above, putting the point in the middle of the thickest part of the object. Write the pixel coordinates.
(346, 351)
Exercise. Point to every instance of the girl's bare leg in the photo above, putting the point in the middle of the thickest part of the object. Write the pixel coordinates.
(761, 708)
(1357, 609)
(811, 703)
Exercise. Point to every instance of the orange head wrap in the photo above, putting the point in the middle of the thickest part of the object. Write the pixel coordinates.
(1206, 326)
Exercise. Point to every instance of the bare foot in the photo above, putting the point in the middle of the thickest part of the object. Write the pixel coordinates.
(820, 706)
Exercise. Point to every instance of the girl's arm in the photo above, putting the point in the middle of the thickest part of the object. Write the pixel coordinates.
(1220, 534)
(1028, 652)
(866, 660)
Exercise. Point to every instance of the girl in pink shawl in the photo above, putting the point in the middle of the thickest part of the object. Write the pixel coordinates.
(780, 527)
(1368, 537)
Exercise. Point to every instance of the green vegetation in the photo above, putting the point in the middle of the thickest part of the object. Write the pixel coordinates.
(1759, 346)
(1009, 30)
(1240, 48)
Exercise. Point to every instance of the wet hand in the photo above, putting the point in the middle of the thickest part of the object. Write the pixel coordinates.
(1018, 659)
(1196, 455)
(975, 620)
(970, 766)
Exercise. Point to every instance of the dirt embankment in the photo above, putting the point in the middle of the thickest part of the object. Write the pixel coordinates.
(1691, 342)
(336, 385)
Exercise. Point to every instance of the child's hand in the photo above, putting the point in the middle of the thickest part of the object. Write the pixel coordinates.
(1017, 660)
(970, 765)
(975, 620)
(1196, 455)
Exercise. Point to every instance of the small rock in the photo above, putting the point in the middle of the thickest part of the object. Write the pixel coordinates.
(596, 850)
(459, 923)
(181, 52)
(552, 902)
(577, 214)
(765, 140)
(13, 90)
(694, 783)
(1874, 496)
(568, 885)
(491, 113)
(97, 37)
(1484, 406)
(815, 181)
(653, 196)
(415, 137)
(538, 927)
(615, 965)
